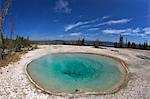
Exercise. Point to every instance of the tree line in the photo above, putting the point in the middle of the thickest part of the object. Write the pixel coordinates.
(119, 44)
(129, 44)
(80, 42)
(16, 44)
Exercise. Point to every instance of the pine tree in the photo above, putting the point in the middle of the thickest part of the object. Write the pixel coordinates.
(140, 46)
(83, 41)
(133, 45)
(129, 44)
(78, 42)
(96, 43)
(121, 43)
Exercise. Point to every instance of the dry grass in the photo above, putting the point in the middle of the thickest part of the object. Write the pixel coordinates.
(11, 58)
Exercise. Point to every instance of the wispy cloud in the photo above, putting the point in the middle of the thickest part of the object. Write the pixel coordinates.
(62, 6)
(121, 21)
(146, 30)
(93, 29)
(86, 26)
(113, 31)
(75, 34)
(72, 26)
(131, 32)
(105, 17)
(122, 31)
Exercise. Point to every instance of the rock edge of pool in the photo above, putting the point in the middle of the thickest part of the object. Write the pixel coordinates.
(116, 88)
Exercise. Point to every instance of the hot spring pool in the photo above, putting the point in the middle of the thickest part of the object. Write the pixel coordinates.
(76, 72)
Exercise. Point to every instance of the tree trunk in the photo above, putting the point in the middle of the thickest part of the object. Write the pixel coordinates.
(1, 45)
(1, 51)
(1, 42)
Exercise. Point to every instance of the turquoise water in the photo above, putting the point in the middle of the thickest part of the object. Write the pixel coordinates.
(70, 73)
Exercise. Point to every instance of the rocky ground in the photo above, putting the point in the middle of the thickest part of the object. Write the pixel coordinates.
(14, 83)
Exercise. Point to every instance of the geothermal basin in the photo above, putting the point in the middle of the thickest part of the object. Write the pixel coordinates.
(73, 73)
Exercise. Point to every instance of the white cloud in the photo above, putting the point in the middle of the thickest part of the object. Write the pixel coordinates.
(93, 29)
(132, 32)
(146, 30)
(140, 35)
(85, 26)
(137, 30)
(62, 6)
(113, 31)
(75, 34)
(128, 31)
(72, 26)
(121, 21)
(105, 17)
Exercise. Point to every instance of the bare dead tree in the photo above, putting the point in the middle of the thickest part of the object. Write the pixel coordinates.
(3, 14)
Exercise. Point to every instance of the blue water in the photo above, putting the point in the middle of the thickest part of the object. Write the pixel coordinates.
(70, 73)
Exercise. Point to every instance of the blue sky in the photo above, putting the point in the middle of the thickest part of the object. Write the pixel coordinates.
(72, 19)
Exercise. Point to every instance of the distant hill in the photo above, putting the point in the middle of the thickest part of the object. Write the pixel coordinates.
(70, 42)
